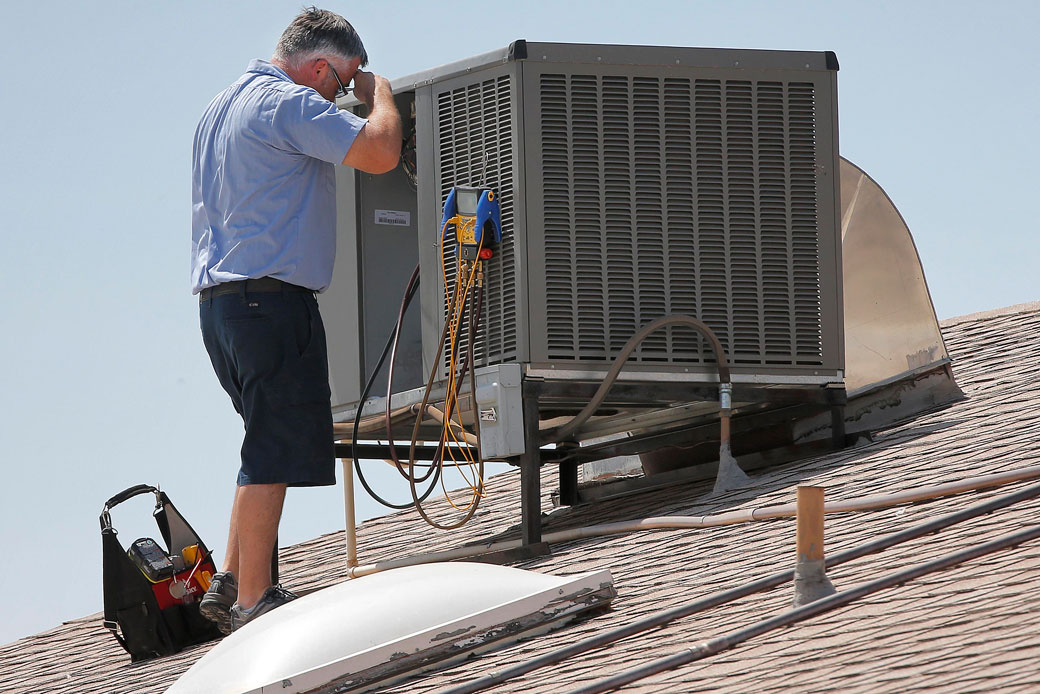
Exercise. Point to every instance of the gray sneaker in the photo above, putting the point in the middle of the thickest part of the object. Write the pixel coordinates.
(273, 597)
(216, 603)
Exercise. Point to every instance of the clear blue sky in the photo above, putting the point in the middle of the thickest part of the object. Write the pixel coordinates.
(104, 381)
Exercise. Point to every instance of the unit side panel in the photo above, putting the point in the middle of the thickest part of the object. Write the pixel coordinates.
(389, 254)
(377, 250)
(831, 283)
(431, 288)
(658, 190)
(340, 303)
(475, 142)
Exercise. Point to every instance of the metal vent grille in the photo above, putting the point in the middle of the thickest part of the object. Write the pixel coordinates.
(676, 195)
(475, 130)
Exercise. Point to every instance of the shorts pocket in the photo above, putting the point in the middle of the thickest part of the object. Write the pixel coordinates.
(308, 369)
(279, 354)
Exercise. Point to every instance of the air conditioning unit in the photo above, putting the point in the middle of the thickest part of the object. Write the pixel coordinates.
(634, 182)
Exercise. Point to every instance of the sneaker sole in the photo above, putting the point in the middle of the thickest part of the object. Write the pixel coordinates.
(239, 620)
(217, 613)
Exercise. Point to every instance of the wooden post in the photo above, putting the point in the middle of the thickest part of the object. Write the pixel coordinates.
(810, 523)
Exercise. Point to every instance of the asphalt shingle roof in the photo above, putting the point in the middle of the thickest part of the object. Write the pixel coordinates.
(967, 629)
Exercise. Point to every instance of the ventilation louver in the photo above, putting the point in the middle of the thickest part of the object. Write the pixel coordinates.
(475, 127)
(693, 196)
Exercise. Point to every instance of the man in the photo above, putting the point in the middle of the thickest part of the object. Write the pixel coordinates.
(263, 242)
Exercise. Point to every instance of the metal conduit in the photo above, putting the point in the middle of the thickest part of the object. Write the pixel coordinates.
(664, 617)
(866, 503)
(828, 604)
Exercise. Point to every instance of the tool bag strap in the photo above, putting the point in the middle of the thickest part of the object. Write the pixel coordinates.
(118, 575)
(162, 503)
(109, 570)
(129, 493)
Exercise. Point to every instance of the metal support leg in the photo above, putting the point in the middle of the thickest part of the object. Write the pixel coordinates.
(530, 475)
(569, 484)
(568, 474)
(838, 426)
(348, 511)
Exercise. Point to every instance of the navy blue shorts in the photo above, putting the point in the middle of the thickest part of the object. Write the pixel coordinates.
(268, 350)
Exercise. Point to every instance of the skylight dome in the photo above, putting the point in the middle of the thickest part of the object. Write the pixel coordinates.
(374, 630)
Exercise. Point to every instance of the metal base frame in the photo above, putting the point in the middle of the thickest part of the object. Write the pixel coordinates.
(542, 396)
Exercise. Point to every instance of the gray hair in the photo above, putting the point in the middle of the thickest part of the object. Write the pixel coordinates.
(316, 34)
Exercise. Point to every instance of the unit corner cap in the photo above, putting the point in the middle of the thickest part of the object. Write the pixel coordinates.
(518, 50)
(832, 60)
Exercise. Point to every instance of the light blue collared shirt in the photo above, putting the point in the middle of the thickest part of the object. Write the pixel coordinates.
(263, 182)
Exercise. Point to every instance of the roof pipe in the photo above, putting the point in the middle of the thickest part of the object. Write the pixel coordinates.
(800, 614)
(660, 619)
(866, 503)
(810, 574)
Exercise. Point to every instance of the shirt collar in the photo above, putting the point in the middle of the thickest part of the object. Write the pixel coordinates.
(263, 67)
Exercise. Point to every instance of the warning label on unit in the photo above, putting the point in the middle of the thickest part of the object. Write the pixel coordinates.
(395, 218)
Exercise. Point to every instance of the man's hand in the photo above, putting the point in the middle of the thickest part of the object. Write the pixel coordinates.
(365, 85)
(377, 147)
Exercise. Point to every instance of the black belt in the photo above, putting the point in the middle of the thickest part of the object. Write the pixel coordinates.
(264, 284)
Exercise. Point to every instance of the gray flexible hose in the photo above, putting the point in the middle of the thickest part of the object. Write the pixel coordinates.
(570, 428)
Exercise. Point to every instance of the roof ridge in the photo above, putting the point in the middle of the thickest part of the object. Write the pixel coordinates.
(1028, 307)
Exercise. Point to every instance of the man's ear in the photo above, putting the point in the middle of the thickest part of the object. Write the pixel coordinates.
(317, 67)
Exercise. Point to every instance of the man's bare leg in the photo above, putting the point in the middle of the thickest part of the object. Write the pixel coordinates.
(255, 516)
(231, 555)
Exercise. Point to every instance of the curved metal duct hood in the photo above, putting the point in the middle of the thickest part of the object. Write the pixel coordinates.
(891, 331)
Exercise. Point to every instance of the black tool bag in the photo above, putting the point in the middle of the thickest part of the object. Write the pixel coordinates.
(151, 595)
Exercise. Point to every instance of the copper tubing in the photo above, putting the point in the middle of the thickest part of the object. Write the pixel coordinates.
(809, 528)
(372, 423)
(439, 416)
(800, 614)
(375, 423)
(866, 503)
(655, 620)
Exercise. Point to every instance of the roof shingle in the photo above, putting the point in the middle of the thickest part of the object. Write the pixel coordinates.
(967, 629)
